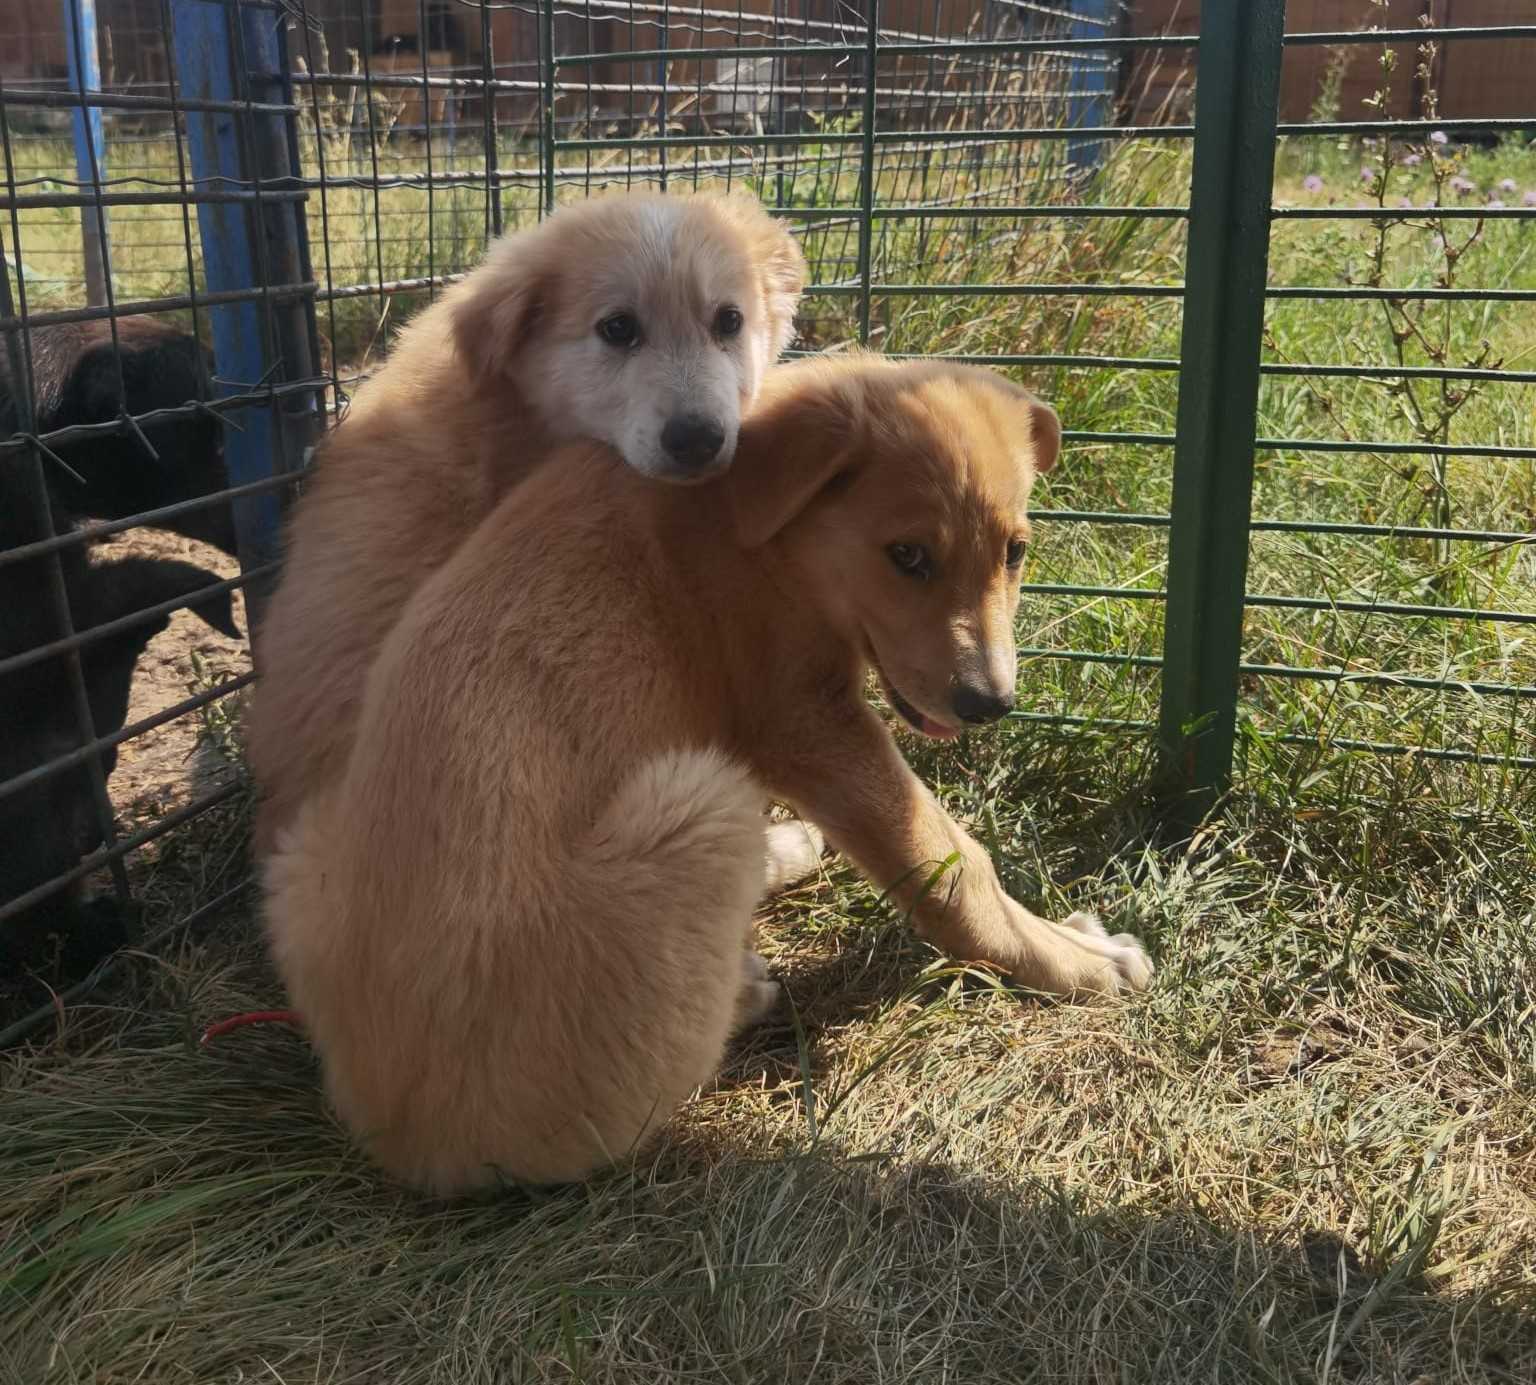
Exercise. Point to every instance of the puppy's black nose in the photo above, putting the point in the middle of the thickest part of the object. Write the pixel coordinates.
(978, 706)
(692, 439)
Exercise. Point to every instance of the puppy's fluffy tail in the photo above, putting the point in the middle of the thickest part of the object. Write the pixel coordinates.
(554, 1037)
(678, 811)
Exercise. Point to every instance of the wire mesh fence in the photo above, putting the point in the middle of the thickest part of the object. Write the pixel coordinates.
(1292, 358)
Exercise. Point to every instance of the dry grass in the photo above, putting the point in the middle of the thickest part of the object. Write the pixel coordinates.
(1307, 1154)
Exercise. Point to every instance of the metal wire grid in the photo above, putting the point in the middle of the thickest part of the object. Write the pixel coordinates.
(429, 108)
(856, 165)
(38, 549)
(353, 151)
(1206, 492)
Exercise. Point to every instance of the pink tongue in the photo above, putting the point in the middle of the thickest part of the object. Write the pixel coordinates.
(932, 728)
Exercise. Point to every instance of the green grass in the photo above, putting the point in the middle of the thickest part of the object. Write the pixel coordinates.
(1308, 1153)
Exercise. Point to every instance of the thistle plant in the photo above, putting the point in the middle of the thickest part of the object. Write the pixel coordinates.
(1430, 332)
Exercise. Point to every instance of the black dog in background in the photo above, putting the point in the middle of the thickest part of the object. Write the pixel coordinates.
(50, 824)
(75, 372)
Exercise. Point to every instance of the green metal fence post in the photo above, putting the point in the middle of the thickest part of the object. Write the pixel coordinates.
(1237, 88)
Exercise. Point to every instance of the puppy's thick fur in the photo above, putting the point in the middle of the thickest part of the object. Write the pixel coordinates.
(517, 927)
(507, 366)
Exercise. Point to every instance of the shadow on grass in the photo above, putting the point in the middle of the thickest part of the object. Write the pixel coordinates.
(193, 1213)
(177, 1212)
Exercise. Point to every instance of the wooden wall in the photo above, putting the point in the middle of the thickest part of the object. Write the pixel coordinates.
(1474, 77)
(1489, 77)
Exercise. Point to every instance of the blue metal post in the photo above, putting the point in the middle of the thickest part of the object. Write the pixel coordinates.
(547, 108)
(661, 81)
(1090, 82)
(90, 148)
(247, 245)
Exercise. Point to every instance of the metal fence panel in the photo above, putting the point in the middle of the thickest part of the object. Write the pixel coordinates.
(968, 178)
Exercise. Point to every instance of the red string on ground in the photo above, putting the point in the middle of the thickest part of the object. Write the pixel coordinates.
(213, 1031)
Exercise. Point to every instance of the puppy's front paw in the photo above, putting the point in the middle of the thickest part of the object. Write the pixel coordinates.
(1130, 968)
(1083, 922)
(794, 851)
(1133, 968)
(760, 996)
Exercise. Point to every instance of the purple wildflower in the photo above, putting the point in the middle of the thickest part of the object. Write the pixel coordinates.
(1439, 137)
(1495, 205)
(1312, 183)
(1431, 203)
(1405, 202)
(1529, 200)
(1462, 186)
(1367, 175)
(1508, 185)
(1411, 160)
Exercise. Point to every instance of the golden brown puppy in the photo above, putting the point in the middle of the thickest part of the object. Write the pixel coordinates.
(518, 927)
(642, 321)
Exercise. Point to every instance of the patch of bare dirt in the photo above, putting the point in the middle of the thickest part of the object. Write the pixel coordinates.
(167, 767)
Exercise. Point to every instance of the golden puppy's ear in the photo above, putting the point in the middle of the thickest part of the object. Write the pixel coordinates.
(779, 260)
(784, 273)
(1044, 426)
(1045, 435)
(791, 449)
(499, 306)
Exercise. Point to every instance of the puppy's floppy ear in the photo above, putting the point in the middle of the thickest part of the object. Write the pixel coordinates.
(779, 260)
(1046, 434)
(499, 305)
(1044, 427)
(791, 448)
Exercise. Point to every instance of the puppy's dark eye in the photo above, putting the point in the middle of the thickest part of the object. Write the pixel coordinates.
(727, 322)
(621, 329)
(1015, 552)
(910, 558)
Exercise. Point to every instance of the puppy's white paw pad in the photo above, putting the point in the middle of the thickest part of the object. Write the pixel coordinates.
(794, 852)
(758, 1001)
(1133, 967)
(1083, 922)
(753, 968)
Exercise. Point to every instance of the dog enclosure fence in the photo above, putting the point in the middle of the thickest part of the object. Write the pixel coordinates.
(287, 179)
